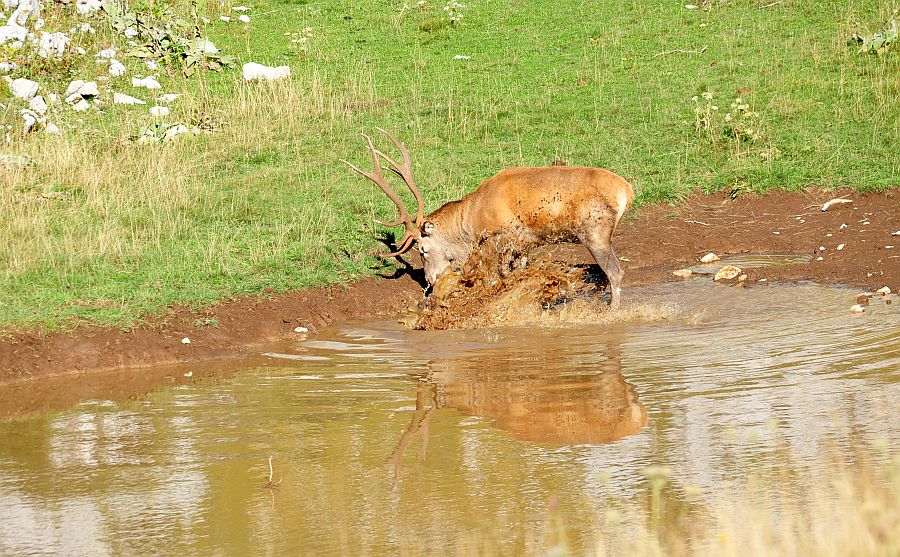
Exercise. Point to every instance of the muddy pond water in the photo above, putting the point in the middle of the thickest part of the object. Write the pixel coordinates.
(389, 441)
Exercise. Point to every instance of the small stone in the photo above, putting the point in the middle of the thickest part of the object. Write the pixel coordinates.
(820, 258)
(742, 278)
(244, 18)
(159, 111)
(683, 273)
(122, 98)
(38, 104)
(168, 97)
(897, 233)
(117, 68)
(252, 71)
(857, 309)
(24, 88)
(883, 291)
(777, 233)
(88, 89)
(840, 247)
(51, 128)
(835, 202)
(188, 373)
(149, 82)
(185, 340)
(821, 248)
(863, 298)
(727, 272)
(709, 258)
(301, 330)
(763, 280)
(225, 18)
(13, 161)
(843, 226)
(240, 9)
(81, 105)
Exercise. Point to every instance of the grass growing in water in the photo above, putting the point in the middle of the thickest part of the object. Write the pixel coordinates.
(105, 230)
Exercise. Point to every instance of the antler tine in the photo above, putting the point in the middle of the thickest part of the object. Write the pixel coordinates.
(405, 172)
(377, 176)
(405, 245)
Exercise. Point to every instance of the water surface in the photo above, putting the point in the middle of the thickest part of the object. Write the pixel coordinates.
(387, 441)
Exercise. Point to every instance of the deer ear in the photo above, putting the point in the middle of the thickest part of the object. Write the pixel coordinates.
(427, 229)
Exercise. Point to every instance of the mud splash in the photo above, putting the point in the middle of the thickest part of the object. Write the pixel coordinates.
(510, 281)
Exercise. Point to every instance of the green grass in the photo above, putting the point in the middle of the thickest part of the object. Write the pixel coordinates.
(263, 203)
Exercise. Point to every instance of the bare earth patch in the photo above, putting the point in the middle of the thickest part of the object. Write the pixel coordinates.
(652, 242)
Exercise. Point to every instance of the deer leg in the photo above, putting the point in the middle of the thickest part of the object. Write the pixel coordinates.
(600, 246)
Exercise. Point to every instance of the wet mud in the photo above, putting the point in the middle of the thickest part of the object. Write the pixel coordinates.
(511, 282)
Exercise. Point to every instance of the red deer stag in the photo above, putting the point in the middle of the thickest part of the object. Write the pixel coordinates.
(548, 204)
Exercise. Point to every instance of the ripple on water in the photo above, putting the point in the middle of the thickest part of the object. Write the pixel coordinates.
(387, 439)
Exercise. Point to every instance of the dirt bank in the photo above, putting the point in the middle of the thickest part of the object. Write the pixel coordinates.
(652, 242)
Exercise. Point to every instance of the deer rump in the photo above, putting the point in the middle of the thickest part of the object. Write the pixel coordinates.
(545, 204)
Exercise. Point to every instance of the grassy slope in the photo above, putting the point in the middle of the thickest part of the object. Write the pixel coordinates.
(263, 202)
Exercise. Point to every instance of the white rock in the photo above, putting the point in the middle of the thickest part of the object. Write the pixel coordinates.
(883, 291)
(85, 7)
(29, 119)
(122, 98)
(301, 330)
(820, 258)
(52, 45)
(709, 258)
(149, 82)
(168, 97)
(835, 202)
(12, 34)
(81, 105)
(151, 65)
(185, 340)
(225, 18)
(24, 88)
(683, 273)
(843, 226)
(89, 89)
(130, 32)
(244, 18)
(840, 247)
(240, 9)
(107, 53)
(51, 128)
(856, 308)
(8, 67)
(462, 57)
(175, 131)
(10, 4)
(897, 233)
(117, 68)
(25, 10)
(38, 104)
(258, 72)
(159, 111)
(205, 20)
(727, 272)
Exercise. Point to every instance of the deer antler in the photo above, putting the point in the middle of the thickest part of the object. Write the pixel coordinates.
(405, 172)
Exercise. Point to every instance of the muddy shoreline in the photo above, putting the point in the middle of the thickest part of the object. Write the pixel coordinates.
(652, 242)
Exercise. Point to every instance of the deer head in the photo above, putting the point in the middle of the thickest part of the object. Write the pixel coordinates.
(417, 231)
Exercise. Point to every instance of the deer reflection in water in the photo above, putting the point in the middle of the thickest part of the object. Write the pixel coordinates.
(541, 394)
